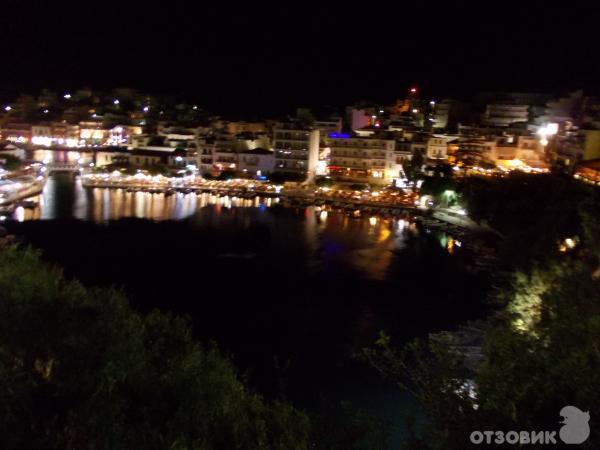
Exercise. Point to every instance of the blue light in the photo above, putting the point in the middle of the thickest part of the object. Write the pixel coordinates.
(339, 135)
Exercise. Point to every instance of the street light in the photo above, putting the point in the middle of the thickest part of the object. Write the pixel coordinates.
(550, 129)
(7, 108)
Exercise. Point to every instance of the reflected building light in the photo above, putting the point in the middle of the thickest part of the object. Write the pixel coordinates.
(20, 214)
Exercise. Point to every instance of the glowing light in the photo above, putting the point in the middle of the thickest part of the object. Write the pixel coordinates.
(116, 102)
(339, 135)
(415, 110)
(7, 108)
(413, 90)
(551, 129)
(67, 96)
(42, 140)
(373, 221)
(46, 111)
(146, 109)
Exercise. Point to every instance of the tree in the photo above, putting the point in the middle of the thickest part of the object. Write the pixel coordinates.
(79, 369)
(533, 212)
(413, 167)
(324, 182)
(10, 162)
(541, 350)
(540, 355)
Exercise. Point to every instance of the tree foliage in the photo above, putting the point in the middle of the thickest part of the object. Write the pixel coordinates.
(534, 213)
(79, 369)
(542, 349)
(10, 162)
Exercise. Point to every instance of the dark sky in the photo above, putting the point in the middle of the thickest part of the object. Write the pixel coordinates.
(257, 56)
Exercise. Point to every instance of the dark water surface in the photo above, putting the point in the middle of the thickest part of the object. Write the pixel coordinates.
(292, 294)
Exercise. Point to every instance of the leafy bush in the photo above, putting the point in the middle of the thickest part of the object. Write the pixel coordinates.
(79, 369)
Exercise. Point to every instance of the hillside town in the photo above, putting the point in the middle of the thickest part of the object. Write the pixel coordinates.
(361, 144)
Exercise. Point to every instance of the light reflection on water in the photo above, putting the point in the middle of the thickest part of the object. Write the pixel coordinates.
(102, 205)
(366, 244)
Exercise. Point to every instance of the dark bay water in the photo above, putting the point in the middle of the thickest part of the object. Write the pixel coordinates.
(292, 294)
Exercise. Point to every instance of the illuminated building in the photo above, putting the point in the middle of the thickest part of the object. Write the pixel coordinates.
(245, 127)
(589, 171)
(19, 132)
(362, 159)
(296, 149)
(358, 118)
(259, 161)
(63, 132)
(92, 133)
(216, 153)
(437, 147)
(591, 144)
(224, 160)
(505, 114)
(525, 149)
(122, 135)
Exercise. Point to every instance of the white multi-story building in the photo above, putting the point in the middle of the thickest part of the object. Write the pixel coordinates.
(363, 159)
(256, 162)
(214, 150)
(505, 114)
(437, 147)
(296, 149)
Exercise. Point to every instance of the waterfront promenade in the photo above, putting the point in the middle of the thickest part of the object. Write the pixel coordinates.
(385, 198)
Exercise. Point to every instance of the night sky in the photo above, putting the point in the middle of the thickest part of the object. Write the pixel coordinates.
(264, 58)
